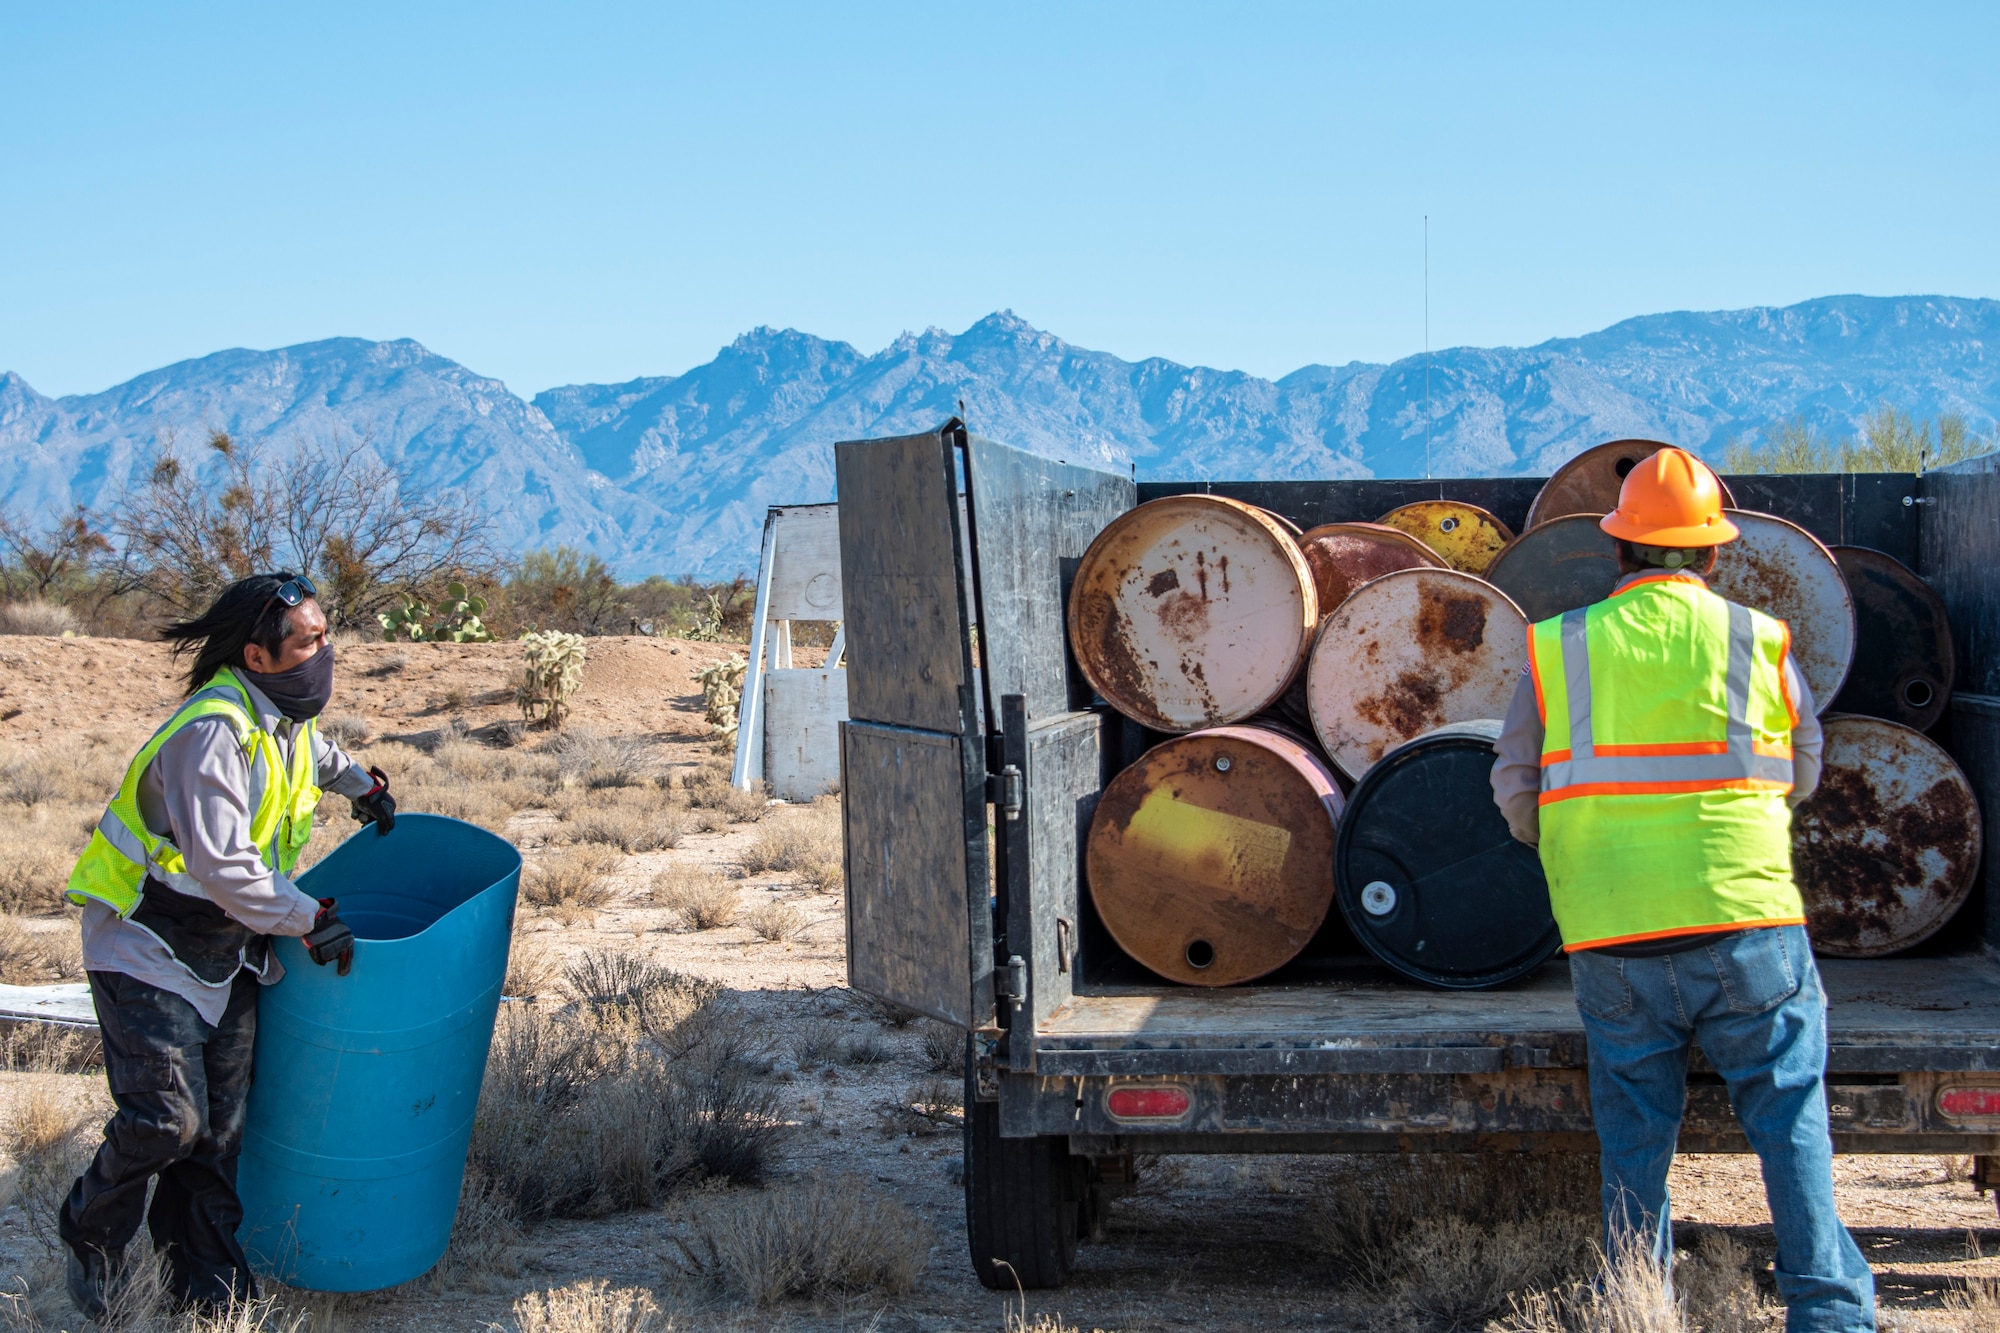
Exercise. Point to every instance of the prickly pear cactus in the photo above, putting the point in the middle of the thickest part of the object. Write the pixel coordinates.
(722, 688)
(456, 619)
(551, 674)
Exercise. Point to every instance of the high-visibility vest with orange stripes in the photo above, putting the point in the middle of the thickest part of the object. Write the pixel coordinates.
(1666, 756)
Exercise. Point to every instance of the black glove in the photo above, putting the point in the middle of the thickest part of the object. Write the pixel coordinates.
(376, 806)
(330, 939)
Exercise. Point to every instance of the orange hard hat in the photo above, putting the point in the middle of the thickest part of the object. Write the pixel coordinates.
(1670, 499)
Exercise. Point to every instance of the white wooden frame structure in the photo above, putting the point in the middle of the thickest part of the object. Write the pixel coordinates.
(788, 723)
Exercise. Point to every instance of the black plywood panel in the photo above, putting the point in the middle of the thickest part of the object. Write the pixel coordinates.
(908, 657)
(1974, 741)
(1961, 536)
(1031, 518)
(909, 932)
(1841, 509)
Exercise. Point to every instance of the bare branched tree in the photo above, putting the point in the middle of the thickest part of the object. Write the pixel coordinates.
(52, 563)
(330, 509)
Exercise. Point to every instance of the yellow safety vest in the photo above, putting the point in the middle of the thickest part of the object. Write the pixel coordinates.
(123, 851)
(1666, 756)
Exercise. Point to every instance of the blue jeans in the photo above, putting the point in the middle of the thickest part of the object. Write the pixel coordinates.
(1754, 1003)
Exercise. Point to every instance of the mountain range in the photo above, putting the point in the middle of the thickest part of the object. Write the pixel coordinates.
(671, 474)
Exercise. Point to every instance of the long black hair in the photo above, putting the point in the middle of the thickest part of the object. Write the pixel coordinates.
(247, 611)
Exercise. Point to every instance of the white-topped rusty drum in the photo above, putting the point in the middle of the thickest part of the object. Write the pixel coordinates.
(1779, 568)
(1408, 653)
(1210, 860)
(1589, 483)
(1192, 611)
(1886, 850)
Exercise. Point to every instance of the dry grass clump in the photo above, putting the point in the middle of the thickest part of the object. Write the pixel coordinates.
(50, 1141)
(1712, 1291)
(462, 779)
(708, 788)
(699, 899)
(486, 1238)
(589, 1109)
(929, 1106)
(593, 761)
(777, 922)
(1447, 1239)
(34, 873)
(532, 967)
(806, 840)
(943, 1046)
(670, 1007)
(37, 617)
(33, 957)
(817, 1238)
(347, 730)
(573, 878)
(590, 1306)
(814, 1042)
(881, 1010)
(642, 826)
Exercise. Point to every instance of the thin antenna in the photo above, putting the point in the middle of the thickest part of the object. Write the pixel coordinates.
(1427, 347)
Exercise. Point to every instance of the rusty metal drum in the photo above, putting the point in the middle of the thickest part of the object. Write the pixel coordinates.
(1192, 611)
(1343, 556)
(1462, 535)
(1210, 860)
(1429, 878)
(1903, 658)
(1886, 849)
(1589, 482)
(1782, 570)
(1557, 566)
(1408, 653)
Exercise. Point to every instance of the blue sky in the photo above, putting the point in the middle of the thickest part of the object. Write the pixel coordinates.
(562, 193)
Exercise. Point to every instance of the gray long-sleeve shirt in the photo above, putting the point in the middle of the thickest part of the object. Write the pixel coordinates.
(1517, 773)
(197, 792)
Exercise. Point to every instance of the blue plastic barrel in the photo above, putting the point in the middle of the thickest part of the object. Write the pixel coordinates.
(361, 1110)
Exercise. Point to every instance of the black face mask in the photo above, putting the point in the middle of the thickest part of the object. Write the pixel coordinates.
(302, 691)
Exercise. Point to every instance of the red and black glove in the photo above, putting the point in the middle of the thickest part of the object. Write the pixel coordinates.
(376, 806)
(330, 939)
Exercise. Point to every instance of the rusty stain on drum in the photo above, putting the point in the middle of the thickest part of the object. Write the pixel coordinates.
(1557, 566)
(1192, 611)
(1210, 860)
(1464, 536)
(1407, 653)
(1779, 568)
(1589, 483)
(1903, 659)
(1886, 849)
(1343, 556)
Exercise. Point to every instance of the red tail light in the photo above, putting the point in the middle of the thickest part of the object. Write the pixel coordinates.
(1969, 1103)
(1155, 1103)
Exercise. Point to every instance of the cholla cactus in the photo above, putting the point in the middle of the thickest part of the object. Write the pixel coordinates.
(553, 672)
(722, 688)
(456, 621)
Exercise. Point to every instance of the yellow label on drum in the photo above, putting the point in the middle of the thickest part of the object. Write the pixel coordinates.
(1192, 842)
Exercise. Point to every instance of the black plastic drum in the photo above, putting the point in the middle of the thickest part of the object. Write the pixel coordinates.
(1427, 875)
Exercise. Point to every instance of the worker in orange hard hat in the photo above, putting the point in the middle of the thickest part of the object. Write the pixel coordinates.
(1655, 747)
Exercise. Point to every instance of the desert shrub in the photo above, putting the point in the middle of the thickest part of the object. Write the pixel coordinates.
(573, 878)
(32, 957)
(818, 1237)
(347, 730)
(33, 874)
(583, 1114)
(1448, 1239)
(532, 966)
(85, 775)
(1712, 1291)
(388, 664)
(704, 792)
(50, 618)
(930, 1106)
(593, 761)
(670, 1007)
(881, 1010)
(631, 828)
(590, 1306)
(700, 899)
(777, 922)
(867, 1048)
(795, 839)
(943, 1046)
(50, 1142)
(813, 1042)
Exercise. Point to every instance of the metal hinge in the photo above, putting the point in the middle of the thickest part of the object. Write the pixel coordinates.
(1004, 790)
(1012, 982)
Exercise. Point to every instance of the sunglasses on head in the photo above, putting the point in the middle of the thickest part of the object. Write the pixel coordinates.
(291, 592)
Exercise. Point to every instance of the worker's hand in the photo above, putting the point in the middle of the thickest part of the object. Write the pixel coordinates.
(376, 806)
(330, 939)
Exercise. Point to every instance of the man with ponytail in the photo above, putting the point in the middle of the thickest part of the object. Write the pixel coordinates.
(186, 878)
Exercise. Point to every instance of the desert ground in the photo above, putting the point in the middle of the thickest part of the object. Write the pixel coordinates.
(669, 923)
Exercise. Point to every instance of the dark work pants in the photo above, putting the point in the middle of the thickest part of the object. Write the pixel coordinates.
(180, 1086)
